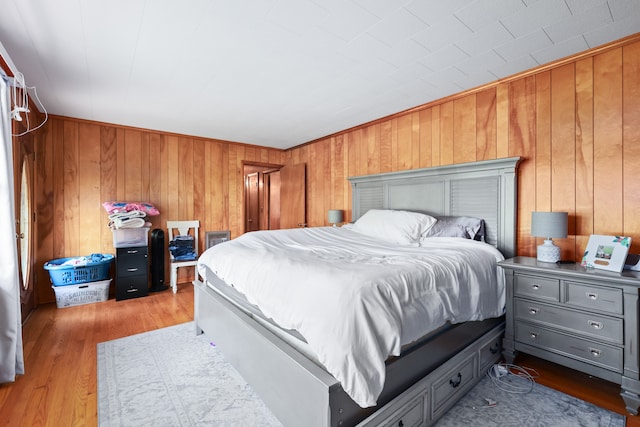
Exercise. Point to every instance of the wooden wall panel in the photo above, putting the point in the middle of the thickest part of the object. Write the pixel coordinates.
(425, 134)
(435, 136)
(370, 148)
(446, 133)
(90, 205)
(543, 142)
(44, 209)
(71, 184)
(404, 142)
(464, 129)
(522, 137)
(607, 143)
(386, 150)
(584, 154)
(575, 125)
(576, 129)
(563, 134)
(81, 164)
(108, 143)
(631, 141)
(486, 125)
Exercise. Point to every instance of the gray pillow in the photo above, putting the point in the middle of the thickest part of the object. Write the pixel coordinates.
(457, 226)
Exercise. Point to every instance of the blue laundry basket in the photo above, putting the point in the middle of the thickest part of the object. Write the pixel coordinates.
(93, 268)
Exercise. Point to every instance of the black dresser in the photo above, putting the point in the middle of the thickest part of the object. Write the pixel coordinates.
(132, 272)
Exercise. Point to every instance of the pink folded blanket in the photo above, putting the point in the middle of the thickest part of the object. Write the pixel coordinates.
(121, 207)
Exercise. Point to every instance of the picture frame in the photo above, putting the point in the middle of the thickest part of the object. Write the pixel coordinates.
(212, 238)
(606, 252)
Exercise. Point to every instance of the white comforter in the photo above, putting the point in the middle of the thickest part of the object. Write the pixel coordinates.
(356, 299)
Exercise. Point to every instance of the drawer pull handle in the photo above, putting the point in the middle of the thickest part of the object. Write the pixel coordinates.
(595, 352)
(131, 270)
(494, 348)
(592, 296)
(595, 325)
(535, 287)
(132, 290)
(132, 251)
(533, 335)
(457, 382)
(533, 310)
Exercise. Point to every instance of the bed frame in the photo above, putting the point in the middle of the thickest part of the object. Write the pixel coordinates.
(300, 392)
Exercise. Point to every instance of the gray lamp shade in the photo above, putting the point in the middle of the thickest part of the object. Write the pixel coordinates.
(549, 224)
(334, 216)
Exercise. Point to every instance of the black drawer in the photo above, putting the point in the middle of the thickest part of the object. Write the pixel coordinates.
(131, 262)
(132, 272)
(132, 287)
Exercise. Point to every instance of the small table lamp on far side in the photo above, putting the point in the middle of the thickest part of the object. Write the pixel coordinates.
(549, 225)
(334, 216)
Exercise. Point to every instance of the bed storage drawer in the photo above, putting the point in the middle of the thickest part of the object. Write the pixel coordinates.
(537, 287)
(447, 389)
(490, 353)
(595, 353)
(412, 415)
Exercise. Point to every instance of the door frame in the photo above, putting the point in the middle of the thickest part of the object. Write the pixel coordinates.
(249, 167)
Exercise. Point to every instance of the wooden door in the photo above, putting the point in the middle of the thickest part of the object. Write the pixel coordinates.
(273, 200)
(252, 200)
(293, 196)
(25, 229)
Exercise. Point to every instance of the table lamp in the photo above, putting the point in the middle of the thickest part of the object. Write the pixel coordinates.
(334, 216)
(549, 225)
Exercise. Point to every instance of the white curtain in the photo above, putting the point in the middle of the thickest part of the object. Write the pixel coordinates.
(11, 357)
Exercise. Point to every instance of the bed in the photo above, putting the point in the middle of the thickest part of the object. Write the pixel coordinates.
(292, 376)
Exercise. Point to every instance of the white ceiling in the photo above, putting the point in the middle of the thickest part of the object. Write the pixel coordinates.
(280, 73)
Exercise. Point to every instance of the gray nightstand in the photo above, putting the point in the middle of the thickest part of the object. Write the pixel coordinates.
(585, 319)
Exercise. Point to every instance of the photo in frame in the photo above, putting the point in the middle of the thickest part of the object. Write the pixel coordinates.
(212, 238)
(606, 252)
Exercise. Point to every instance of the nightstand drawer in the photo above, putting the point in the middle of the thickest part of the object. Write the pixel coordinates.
(597, 326)
(537, 287)
(599, 354)
(594, 297)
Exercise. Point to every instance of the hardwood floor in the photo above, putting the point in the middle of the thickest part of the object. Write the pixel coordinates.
(59, 387)
(60, 384)
(591, 389)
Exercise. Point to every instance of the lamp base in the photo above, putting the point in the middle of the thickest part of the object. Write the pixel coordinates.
(548, 252)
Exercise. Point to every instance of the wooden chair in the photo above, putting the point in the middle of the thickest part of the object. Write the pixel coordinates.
(183, 228)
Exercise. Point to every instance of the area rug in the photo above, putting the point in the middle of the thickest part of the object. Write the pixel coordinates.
(171, 377)
(512, 401)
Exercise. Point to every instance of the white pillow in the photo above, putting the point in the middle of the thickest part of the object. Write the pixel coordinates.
(401, 227)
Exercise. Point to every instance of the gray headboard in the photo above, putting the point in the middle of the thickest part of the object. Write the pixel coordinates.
(484, 189)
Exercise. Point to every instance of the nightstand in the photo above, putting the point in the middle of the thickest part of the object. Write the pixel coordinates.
(585, 319)
(132, 272)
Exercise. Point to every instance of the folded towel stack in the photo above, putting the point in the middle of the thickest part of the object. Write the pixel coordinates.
(129, 215)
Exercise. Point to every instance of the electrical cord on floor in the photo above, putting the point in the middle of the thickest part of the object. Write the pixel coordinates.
(500, 373)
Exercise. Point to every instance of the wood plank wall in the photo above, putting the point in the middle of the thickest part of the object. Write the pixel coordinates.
(82, 164)
(576, 125)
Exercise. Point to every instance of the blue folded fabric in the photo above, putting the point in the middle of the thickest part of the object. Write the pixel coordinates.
(182, 248)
